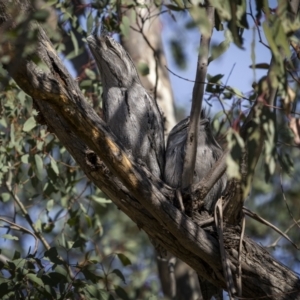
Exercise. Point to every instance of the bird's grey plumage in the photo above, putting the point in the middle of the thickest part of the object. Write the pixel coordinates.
(208, 152)
(132, 115)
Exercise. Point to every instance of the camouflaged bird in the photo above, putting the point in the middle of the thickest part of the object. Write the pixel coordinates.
(132, 114)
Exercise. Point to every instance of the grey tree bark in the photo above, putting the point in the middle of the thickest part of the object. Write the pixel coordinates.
(147, 200)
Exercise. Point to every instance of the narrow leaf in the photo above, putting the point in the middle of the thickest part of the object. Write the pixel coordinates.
(29, 124)
(75, 43)
(124, 259)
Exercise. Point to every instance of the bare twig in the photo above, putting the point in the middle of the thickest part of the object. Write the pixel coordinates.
(15, 226)
(208, 83)
(37, 233)
(263, 221)
(225, 262)
(239, 273)
(27, 216)
(179, 198)
(155, 54)
(198, 92)
(285, 201)
(200, 189)
(255, 22)
(274, 244)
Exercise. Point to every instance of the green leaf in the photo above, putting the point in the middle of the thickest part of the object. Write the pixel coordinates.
(50, 204)
(143, 68)
(214, 82)
(121, 293)
(119, 274)
(51, 2)
(178, 53)
(173, 7)
(5, 197)
(54, 166)
(35, 279)
(235, 145)
(53, 256)
(96, 293)
(17, 256)
(29, 124)
(47, 227)
(223, 8)
(38, 224)
(75, 43)
(91, 74)
(41, 15)
(199, 16)
(9, 237)
(100, 200)
(86, 83)
(19, 263)
(90, 275)
(79, 243)
(89, 22)
(218, 50)
(39, 167)
(88, 220)
(21, 97)
(59, 276)
(235, 91)
(269, 37)
(25, 158)
(82, 207)
(215, 79)
(124, 259)
(125, 26)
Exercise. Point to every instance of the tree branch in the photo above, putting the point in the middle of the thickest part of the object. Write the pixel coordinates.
(198, 93)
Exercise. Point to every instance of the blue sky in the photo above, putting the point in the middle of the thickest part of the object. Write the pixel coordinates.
(241, 77)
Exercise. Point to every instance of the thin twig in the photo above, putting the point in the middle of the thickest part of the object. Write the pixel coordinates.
(284, 198)
(209, 83)
(198, 93)
(239, 275)
(32, 225)
(179, 198)
(225, 262)
(263, 221)
(155, 54)
(256, 25)
(27, 216)
(274, 244)
(15, 226)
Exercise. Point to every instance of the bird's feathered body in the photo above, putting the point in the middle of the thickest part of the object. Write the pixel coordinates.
(208, 152)
(132, 115)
